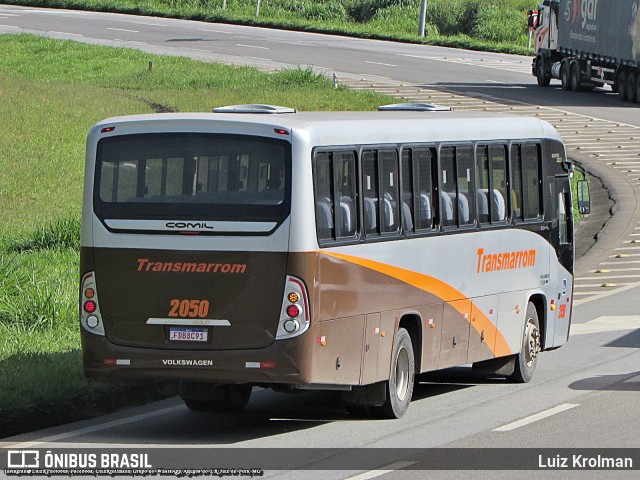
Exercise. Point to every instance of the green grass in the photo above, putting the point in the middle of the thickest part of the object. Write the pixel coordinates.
(53, 92)
(495, 25)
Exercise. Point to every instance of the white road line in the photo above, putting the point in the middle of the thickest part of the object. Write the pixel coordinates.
(534, 418)
(213, 31)
(123, 30)
(67, 33)
(378, 473)
(374, 76)
(380, 63)
(606, 324)
(252, 46)
(151, 24)
(97, 428)
(8, 26)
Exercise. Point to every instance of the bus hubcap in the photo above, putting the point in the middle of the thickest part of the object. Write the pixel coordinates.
(532, 343)
(402, 373)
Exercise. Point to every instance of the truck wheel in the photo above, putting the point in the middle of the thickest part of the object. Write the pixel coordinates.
(400, 385)
(622, 86)
(565, 76)
(576, 81)
(541, 72)
(631, 87)
(527, 359)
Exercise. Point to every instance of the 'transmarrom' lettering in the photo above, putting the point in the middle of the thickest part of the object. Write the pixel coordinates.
(146, 265)
(493, 262)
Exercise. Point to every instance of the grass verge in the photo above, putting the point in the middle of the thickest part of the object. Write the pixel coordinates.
(491, 25)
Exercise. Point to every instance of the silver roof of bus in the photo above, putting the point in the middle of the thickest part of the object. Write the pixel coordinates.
(385, 125)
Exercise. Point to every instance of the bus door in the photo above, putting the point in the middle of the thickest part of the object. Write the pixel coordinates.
(564, 248)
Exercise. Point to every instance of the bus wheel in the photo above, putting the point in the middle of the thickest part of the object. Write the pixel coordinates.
(400, 385)
(527, 359)
(225, 398)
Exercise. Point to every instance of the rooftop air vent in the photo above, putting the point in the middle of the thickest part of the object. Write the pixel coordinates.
(416, 107)
(254, 108)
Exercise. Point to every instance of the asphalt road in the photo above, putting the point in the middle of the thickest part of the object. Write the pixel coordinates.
(583, 395)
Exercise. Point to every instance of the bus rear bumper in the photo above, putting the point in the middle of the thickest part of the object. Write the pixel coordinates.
(274, 364)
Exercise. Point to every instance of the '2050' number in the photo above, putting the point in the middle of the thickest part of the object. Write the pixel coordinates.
(189, 308)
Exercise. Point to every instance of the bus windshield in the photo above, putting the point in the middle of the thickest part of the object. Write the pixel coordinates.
(188, 175)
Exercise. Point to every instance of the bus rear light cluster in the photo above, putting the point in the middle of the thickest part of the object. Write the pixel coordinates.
(294, 316)
(90, 317)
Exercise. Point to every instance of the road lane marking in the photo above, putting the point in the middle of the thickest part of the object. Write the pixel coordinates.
(97, 428)
(66, 33)
(123, 30)
(607, 324)
(534, 418)
(8, 26)
(151, 24)
(378, 473)
(252, 46)
(211, 30)
(380, 63)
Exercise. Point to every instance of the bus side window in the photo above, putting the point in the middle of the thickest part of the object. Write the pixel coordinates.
(498, 177)
(482, 182)
(345, 169)
(370, 190)
(516, 183)
(423, 163)
(324, 197)
(531, 160)
(390, 190)
(448, 187)
(407, 194)
(466, 195)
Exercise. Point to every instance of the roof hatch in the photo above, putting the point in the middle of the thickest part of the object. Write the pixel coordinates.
(254, 108)
(416, 107)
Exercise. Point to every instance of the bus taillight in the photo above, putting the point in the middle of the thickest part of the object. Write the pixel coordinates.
(90, 317)
(294, 316)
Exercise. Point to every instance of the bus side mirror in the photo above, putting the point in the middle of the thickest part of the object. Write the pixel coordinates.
(584, 197)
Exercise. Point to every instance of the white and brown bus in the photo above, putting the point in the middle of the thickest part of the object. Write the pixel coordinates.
(322, 250)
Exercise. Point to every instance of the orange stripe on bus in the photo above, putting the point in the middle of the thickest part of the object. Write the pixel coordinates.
(439, 288)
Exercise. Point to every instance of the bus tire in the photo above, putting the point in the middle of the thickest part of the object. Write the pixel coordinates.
(400, 384)
(527, 359)
(231, 398)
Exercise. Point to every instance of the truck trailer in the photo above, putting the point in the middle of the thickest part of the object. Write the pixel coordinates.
(588, 44)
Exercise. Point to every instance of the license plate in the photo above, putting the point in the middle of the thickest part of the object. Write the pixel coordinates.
(188, 334)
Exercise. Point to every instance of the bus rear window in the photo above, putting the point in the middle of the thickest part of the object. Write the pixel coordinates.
(228, 177)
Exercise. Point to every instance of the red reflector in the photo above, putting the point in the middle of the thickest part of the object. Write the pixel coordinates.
(107, 129)
(293, 311)
(110, 361)
(90, 306)
(281, 131)
(267, 364)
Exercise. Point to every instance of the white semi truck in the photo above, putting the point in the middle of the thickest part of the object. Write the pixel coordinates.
(589, 43)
